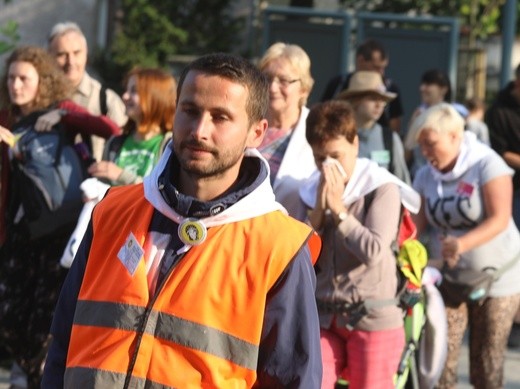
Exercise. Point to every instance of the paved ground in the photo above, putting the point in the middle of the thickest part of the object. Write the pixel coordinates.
(512, 371)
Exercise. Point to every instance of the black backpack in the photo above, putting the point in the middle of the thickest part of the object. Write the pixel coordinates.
(46, 178)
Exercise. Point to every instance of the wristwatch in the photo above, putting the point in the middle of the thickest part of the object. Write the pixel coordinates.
(342, 216)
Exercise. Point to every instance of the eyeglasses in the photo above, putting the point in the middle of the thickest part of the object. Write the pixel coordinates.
(282, 81)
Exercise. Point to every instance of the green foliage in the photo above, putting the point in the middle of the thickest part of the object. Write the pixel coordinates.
(152, 31)
(210, 24)
(479, 18)
(144, 37)
(8, 36)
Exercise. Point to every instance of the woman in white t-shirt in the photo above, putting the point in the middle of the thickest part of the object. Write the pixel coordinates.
(467, 195)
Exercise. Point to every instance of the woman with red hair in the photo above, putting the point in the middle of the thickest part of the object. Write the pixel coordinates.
(149, 99)
(150, 105)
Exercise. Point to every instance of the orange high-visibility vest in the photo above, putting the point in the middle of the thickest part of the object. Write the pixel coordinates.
(202, 327)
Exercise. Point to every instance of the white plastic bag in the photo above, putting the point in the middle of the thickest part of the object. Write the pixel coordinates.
(93, 190)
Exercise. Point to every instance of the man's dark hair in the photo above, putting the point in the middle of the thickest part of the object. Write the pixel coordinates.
(369, 47)
(239, 70)
(517, 72)
(440, 78)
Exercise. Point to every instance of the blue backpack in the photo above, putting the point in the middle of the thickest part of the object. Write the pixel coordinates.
(46, 179)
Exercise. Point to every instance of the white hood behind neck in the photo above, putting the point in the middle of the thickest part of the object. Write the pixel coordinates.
(471, 151)
(259, 202)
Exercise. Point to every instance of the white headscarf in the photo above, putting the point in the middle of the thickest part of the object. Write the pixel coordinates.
(366, 177)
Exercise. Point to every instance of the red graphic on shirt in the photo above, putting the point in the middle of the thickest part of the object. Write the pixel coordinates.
(465, 189)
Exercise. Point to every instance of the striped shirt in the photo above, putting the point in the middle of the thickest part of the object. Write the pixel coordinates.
(273, 149)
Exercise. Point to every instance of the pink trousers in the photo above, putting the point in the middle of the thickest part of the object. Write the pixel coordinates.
(365, 359)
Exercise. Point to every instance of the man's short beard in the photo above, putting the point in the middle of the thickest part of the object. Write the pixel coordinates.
(213, 171)
(221, 162)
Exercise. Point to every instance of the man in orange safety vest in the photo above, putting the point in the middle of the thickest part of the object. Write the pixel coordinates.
(196, 277)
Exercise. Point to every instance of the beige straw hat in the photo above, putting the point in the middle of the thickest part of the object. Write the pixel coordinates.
(365, 83)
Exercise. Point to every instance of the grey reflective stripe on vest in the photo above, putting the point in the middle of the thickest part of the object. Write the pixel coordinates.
(171, 328)
(83, 377)
(207, 339)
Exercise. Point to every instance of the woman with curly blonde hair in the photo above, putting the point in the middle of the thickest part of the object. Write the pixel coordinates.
(33, 91)
(52, 86)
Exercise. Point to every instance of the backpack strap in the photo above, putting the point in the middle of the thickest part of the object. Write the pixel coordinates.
(401, 284)
(103, 105)
(342, 84)
(369, 197)
(113, 147)
(388, 142)
(370, 304)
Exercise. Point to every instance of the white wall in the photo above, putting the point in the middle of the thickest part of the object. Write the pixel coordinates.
(36, 18)
(493, 47)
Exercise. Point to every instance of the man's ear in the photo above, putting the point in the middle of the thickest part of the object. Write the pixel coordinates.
(355, 142)
(256, 134)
